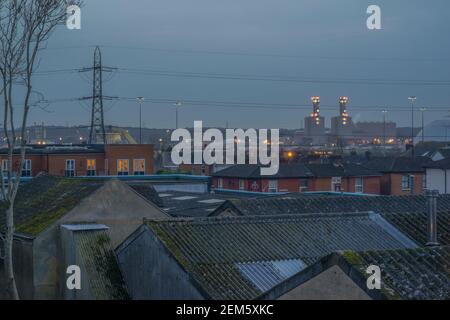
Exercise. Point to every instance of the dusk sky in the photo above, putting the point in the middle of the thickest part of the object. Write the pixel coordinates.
(308, 45)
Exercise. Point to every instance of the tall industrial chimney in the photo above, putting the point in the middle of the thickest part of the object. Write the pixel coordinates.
(316, 109)
(432, 217)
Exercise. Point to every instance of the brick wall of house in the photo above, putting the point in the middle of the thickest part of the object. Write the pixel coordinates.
(371, 185)
(57, 163)
(106, 163)
(395, 184)
(197, 169)
(130, 152)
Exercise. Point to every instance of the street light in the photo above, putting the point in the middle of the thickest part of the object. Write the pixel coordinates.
(177, 105)
(412, 99)
(140, 100)
(384, 112)
(423, 109)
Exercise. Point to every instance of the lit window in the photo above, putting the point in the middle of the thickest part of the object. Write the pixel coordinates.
(123, 167)
(26, 170)
(139, 167)
(273, 185)
(91, 167)
(359, 185)
(241, 184)
(70, 168)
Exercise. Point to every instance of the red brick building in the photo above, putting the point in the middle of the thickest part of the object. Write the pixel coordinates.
(300, 177)
(401, 175)
(84, 160)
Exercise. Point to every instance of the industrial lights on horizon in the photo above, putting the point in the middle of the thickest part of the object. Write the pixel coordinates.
(316, 101)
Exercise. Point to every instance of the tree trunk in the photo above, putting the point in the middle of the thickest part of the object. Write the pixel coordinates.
(9, 271)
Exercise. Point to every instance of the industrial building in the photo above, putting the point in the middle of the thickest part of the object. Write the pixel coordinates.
(342, 125)
(315, 125)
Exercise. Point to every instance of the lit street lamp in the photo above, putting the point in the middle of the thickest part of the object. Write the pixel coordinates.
(384, 112)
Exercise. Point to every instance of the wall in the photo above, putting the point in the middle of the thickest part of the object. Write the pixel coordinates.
(115, 204)
(150, 271)
(130, 152)
(57, 163)
(371, 185)
(395, 180)
(331, 284)
(438, 179)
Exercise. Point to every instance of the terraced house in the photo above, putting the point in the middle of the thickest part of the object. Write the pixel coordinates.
(299, 177)
(47, 203)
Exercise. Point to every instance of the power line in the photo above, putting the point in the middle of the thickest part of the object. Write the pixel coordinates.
(259, 54)
(249, 105)
(270, 78)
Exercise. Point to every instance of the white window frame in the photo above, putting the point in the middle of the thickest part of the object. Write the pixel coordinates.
(424, 181)
(241, 184)
(406, 178)
(271, 188)
(5, 165)
(26, 168)
(121, 173)
(73, 168)
(134, 167)
(359, 187)
(336, 181)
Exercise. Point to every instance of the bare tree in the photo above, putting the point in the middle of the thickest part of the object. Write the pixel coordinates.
(25, 27)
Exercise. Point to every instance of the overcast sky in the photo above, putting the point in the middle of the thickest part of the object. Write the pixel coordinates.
(305, 39)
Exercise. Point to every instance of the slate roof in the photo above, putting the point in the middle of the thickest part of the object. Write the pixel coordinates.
(445, 152)
(413, 273)
(441, 164)
(414, 225)
(190, 204)
(45, 199)
(343, 170)
(298, 204)
(421, 273)
(226, 256)
(58, 149)
(297, 170)
(99, 259)
(147, 191)
(398, 164)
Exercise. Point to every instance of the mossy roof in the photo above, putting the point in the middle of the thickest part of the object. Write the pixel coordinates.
(45, 199)
(418, 273)
(211, 249)
(103, 272)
